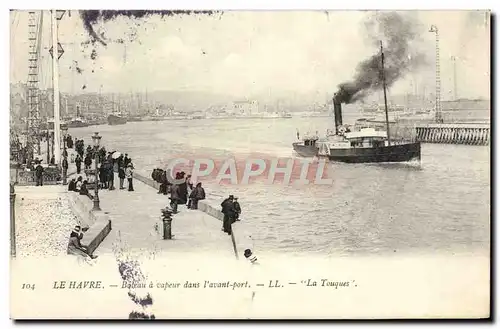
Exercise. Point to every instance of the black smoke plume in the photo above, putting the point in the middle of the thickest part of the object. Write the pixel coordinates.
(397, 33)
(91, 17)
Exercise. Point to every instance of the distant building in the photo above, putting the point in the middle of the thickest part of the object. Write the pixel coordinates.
(466, 104)
(245, 107)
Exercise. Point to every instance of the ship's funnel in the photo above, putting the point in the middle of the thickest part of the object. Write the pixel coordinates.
(337, 111)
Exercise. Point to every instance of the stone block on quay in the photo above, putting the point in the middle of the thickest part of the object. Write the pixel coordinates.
(82, 207)
(210, 210)
(96, 233)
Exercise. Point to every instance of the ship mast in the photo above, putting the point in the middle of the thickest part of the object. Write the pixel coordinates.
(385, 94)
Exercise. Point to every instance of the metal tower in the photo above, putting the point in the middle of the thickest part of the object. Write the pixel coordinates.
(439, 117)
(34, 32)
(455, 93)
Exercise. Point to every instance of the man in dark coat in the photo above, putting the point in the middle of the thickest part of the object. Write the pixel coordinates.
(87, 161)
(237, 209)
(111, 173)
(121, 171)
(69, 141)
(39, 174)
(78, 162)
(85, 191)
(183, 193)
(72, 185)
(102, 154)
(89, 150)
(228, 211)
(165, 183)
(161, 177)
(79, 148)
(65, 165)
(103, 176)
(174, 197)
(197, 194)
(126, 160)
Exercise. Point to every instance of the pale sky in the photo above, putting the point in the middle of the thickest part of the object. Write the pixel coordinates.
(251, 53)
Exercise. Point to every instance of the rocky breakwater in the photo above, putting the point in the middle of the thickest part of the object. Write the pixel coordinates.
(44, 220)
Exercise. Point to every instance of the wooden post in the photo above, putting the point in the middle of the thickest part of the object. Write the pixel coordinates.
(167, 228)
(234, 243)
(167, 224)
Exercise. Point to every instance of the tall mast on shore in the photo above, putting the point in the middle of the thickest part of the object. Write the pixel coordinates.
(382, 72)
(438, 114)
(55, 82)
(33, 122)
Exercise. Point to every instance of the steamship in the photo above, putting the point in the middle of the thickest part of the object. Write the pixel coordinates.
(364, 145)
(78, 121)
(116, 118)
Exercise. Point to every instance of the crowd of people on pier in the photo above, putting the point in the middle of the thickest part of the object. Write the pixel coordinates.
(109, 163)
(184, 193)
(182, 190)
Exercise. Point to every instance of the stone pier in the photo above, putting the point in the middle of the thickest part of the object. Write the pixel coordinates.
(468, 134)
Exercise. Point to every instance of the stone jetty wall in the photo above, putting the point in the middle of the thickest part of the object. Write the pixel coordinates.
(451, 133)
(468, 134)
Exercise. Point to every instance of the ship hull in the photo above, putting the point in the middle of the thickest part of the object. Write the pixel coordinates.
(305, 150)
(134, 119)
(114, 120)
(77, 124)
(394, 153)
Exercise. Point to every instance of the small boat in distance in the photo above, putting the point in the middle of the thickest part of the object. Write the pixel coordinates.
(77, 123)
(116, 118)
(307, 147)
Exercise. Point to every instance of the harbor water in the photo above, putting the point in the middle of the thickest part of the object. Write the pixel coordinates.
(440, 205)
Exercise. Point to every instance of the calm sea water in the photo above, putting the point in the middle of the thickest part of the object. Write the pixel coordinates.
(443, 205)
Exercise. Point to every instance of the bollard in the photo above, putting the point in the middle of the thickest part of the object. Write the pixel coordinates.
(167, 224)
(12, 221)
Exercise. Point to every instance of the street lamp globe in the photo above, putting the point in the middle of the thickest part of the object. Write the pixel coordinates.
(97, 139)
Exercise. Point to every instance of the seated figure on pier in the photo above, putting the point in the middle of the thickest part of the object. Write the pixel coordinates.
(74, 245)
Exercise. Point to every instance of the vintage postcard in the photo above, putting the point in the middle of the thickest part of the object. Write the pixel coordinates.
(176, 164)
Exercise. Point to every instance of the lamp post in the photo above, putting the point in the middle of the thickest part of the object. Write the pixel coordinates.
(96, 139)
(48, 146)
(64, 130)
